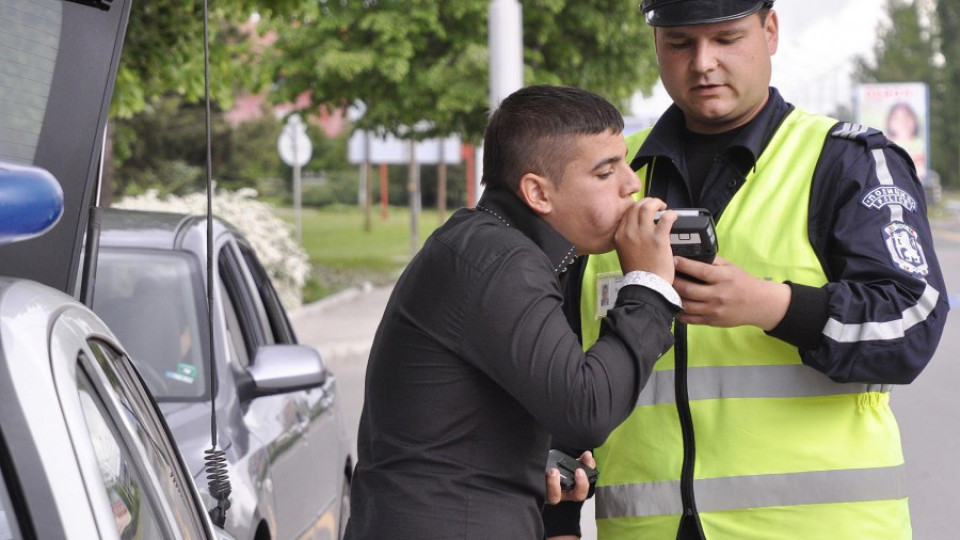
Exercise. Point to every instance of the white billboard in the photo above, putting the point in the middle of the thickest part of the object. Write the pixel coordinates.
(391, 150)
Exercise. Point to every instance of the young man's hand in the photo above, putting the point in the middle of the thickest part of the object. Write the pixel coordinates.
(644, 245)
(581, 487)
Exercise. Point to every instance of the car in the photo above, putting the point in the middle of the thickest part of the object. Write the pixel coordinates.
(277, 405)
(84, 450)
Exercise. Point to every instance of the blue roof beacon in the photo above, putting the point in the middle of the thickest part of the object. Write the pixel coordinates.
(31, 202)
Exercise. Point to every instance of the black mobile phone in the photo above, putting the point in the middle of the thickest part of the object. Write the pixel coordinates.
(568, 465)
(694, 234)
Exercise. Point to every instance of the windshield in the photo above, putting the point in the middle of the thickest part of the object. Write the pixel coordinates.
(151, 301)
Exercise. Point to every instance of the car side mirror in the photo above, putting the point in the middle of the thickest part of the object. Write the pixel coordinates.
(31, 199)
(279, 369)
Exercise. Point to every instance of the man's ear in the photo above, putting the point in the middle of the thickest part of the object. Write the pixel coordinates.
(536, 191)
(772, 30)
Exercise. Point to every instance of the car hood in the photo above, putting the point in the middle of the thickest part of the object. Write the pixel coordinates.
(58, 63)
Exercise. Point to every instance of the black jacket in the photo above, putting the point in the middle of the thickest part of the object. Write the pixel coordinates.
(474, 366)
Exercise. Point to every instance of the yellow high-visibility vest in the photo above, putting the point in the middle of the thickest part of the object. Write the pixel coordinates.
(782, 451)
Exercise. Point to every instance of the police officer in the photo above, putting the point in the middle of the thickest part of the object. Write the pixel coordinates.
(770, 417)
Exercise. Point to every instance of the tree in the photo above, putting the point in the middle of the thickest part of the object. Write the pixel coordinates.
(946, 116)
(163, 56)
(921, 44)
(411, 61)
(163, 52)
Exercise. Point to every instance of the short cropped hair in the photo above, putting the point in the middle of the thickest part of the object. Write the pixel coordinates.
(534, 129)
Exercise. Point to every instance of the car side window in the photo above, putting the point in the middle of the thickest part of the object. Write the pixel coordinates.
(237, 292)
(135, 515)
(279, 323)
(235, 341)
(156, 440)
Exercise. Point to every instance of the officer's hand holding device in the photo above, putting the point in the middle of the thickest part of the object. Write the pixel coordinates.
(693, 235)
(568, 465)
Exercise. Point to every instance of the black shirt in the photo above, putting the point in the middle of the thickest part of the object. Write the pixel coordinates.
(474, 367)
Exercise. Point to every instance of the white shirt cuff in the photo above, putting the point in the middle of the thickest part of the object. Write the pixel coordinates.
(655, 282)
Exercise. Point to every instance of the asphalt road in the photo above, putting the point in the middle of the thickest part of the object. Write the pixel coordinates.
(928, 410)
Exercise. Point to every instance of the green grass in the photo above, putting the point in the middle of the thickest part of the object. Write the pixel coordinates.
(344, 255)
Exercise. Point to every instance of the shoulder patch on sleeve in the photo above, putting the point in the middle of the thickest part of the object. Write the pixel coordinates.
(867, 136)
(905, 249)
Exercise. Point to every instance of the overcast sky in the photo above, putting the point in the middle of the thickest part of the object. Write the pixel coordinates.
(818, 41)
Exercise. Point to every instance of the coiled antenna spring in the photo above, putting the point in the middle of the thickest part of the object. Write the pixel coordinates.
(218, 483)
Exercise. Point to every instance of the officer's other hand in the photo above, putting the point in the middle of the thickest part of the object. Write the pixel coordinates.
(645, 245)
(581, 486)
(727, 295)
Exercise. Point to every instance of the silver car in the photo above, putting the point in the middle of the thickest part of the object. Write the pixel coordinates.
(84, 450)
(277, 406)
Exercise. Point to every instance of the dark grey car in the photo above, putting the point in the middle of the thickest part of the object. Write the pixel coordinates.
(277, 406)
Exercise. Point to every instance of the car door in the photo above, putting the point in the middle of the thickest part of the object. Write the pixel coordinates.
(281, 421)
(324, 431)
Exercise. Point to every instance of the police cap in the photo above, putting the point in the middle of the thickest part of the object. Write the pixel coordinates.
(691, 12)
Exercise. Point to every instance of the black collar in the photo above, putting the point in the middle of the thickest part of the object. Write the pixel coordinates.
(665, 139)
(513, 212)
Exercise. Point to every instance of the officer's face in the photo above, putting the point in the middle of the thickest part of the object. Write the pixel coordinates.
(594, 193)
(718, 74)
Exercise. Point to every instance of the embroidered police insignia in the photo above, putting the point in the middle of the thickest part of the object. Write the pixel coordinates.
(905, 249)
(882, 196)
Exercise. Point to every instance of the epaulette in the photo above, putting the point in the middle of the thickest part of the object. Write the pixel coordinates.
(867, 136)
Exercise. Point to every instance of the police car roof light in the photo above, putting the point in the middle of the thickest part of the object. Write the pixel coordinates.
(31, 202)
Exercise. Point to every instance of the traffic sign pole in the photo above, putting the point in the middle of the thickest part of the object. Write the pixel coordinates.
(295, 150)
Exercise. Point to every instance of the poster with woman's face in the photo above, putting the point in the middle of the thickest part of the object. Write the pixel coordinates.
(900, 110)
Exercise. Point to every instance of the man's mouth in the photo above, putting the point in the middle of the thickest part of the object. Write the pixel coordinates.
(706, 87)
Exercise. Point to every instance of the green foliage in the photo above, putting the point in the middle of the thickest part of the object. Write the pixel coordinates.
(335, 187)
(427, 60)
(164, 148)
(407, 60)
(340, 187)
(945, 117)
(910, 51)
(163, 52)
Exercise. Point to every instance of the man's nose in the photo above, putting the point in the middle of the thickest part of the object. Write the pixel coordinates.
(631, 183)
(704, 57)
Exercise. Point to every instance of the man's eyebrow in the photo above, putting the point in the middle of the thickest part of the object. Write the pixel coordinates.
(607, 161)
(679, 34)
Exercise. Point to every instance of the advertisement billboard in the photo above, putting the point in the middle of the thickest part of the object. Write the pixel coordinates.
(901, 111)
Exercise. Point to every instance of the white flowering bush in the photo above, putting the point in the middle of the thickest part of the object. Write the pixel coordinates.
(285, 261)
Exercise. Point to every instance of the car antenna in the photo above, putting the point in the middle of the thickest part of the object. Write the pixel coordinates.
(215, 460)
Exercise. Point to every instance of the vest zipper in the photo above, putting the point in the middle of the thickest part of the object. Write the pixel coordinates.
(690, 528)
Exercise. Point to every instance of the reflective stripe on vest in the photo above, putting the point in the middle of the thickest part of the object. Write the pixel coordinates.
(719, 382)
(770, 432)
(743, 492)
